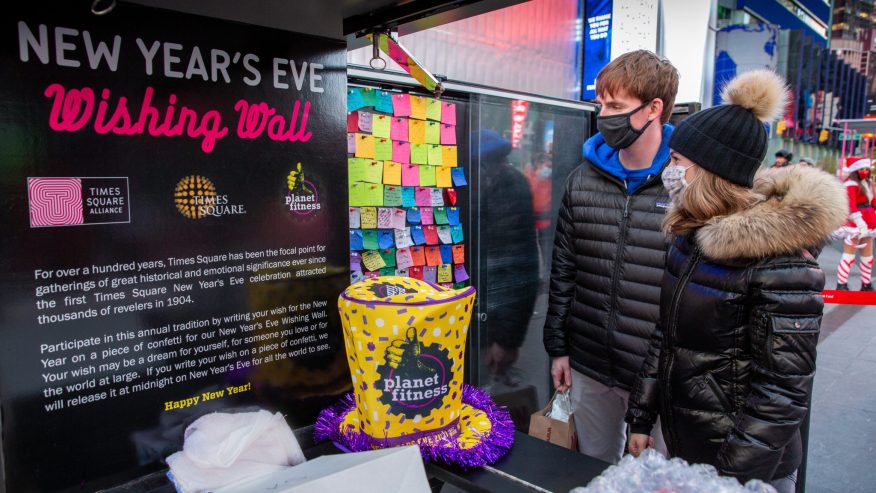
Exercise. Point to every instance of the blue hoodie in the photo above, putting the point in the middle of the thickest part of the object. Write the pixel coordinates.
(607, 159)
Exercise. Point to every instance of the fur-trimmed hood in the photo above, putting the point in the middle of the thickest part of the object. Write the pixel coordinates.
(803, 206)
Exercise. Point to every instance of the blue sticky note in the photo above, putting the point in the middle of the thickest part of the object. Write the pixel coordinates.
(453, 215)
(385, 238)
(355, 239)
(456, 233)
(417, 235)
(408, 199)
(384, 102)
(414, 215)
(458, 176)
(355, 99)
(446, 254)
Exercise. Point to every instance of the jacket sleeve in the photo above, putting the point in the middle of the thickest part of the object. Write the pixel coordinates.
(562, 283)
(784, 327)
(643, 405)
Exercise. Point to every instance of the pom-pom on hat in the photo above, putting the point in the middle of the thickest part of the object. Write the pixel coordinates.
(730, 140)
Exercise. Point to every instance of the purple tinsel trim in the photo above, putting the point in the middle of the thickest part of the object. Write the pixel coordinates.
(493, 446)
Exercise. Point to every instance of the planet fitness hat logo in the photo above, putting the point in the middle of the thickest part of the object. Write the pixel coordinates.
(415, 377)
(302, 196)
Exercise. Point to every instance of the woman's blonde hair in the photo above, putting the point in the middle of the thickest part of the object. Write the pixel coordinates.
(708, 197)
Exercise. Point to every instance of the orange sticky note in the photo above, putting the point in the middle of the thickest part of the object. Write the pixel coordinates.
(418, 107)
(365, 145)
(443, 177)
(417, 131)
(392, 173)
(433, 255)
(459, 254)
(448, 156)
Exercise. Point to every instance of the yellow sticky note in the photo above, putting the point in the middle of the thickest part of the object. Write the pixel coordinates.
(433, 110)
(427, 176)
(418, 107)
(443, 178)
(364, 146)
(357, 194)
(373, 171)
(448, 156)
(433, 133)
(380, 125)
(373, 260)
(392, 173)
(444, 273)
(368, 217)
(417, 131)
(435, 155)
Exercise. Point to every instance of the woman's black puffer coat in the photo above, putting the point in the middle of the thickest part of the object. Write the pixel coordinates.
(732, 361)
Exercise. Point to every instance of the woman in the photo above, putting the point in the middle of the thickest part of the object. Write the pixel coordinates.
(859, 229)
(732, 359)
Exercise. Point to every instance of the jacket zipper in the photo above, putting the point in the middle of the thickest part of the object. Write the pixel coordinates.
(667, 337)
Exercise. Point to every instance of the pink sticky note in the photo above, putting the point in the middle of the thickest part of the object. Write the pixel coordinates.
(399, 129)
(398, 219)
(423, 196)
(448, 134)
(401, 104)
(353, 121)
(448, 113)
(365, 121)
(410, 175)
(351, 144)
(426, 215)
(403, 258)
(401, 151)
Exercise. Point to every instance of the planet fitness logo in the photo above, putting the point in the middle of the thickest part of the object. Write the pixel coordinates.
(302, 196)
(387, 289)
(415, 377)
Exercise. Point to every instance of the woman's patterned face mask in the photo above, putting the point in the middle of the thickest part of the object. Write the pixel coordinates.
(674, 180)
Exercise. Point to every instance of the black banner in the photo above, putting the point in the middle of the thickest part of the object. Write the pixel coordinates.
(173, 196)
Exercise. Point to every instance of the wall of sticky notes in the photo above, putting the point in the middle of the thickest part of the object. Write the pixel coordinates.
(405, 176)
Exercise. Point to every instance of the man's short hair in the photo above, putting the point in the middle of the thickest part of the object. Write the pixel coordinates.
(641, 74)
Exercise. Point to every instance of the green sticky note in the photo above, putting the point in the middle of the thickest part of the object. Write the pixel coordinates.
(433, 133)
(373, 171)
(388, 256)
(380, 125)
(383, 149)
(435, 155)
(392, 195)
(387, 271)
(356, 167)
(427, 176)
(419, 154)
(373, 194)
(357, 194)
(440, 215)
(369, 96)
(433, 110)
(369, 239)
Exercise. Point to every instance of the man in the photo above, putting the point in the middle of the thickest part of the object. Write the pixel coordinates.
(609, 251)
(783, 158)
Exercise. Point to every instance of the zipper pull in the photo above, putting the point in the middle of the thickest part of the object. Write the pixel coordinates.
(627, 208)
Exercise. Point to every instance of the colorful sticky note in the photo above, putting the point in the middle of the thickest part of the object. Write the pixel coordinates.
(419, 154)
(384, 102)
(401, 152)
(356, 275)
(433, 133)
(398, 219)
(373, 194)
(423, 196)
(369, 274)
(387, 271)
(365, 121)
(399, 129)
(401, 104)
(459, 254)
(354, 218)
(353, 122)
(356, 169)
(435, 154)
(443, 177)
(444, 235)
(459, 273)
(426, 215)
(448, 134)
(418, 107)
(451, 195)
(372, 260)
(452, 215)
(403, 238)
(370, 96)
(369, 239)
(430, 274)
(384, 218)
(357, 194)
(417, 235)
(403, 258)
(445, 273)
(448, 156)
(355, 99)
(373, 171)
(416, 273)
(355, 261)
(430, 233)
(391, 173)
(385, 238)
(441, 215)
(382, 149)
(446, 254)
(448, 113)
(418, 255)
(364, 146)
(437, 197)
(414, 215)
(355, 239)
(433, 255)
(392, 195)
(401, 272)
(417, 131)
(410, 175)
(369, 217)
(380, 125)
(408, 199)
(388, 255)
(458, 175)
(433, 110)
(427, 176)
(456, 233)
(351, 143)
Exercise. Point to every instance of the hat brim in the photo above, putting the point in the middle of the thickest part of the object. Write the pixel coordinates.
(484, 432)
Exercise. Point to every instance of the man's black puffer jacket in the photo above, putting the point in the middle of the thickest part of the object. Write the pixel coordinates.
(605, 277)
(731, 365)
